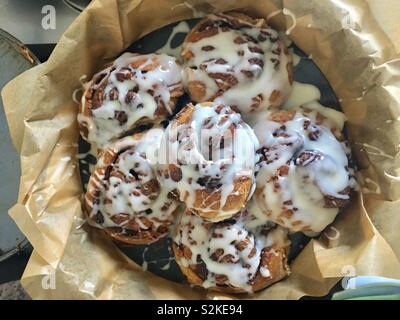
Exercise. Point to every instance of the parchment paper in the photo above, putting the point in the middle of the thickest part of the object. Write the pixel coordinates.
(356, 44)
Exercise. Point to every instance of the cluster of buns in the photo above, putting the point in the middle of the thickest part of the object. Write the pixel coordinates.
(228, 191)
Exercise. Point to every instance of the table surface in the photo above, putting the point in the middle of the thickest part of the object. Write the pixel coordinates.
(23, 19)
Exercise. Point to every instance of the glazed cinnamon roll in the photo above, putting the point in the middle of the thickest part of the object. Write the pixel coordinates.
(133, 90)
(124, 197)
(210, 160)
(238, 61)
(242, 254)
(304, 176)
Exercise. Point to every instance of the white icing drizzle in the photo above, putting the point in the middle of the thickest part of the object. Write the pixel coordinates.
(302, 93)
(286, 12)
(393, 173)
(307, 96)
(289, 13)
(370, 186)
(265, 272)
(258, 63)
(75, 95)
(195, 147)
(373, 150)
(273, 14)
(130, 94)
(296, 58)
(230, 249)
(181, 27)
(332, 233)
(196, 13)
(131, 172)
(145, 263)
(316, 166)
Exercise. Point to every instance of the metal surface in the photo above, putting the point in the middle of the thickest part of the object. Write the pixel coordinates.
(79, 5)
(15, 58)
(23, 19)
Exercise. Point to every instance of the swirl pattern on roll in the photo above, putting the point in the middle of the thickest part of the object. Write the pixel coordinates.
(211, 160)
(304, 175)
(238, 61)
(133, 90)
(241, 254)
(124, 197)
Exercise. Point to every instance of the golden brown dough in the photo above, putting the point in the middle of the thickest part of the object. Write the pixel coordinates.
(242, 254)
(211, 160)
(237, 60)
(133, 90)
(305, 177)
(124, 197)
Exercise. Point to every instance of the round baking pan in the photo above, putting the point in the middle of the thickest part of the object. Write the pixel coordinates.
(158, 258)
(15, 58)
(78, 5)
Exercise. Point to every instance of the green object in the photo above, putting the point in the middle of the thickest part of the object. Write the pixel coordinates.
(370, 288)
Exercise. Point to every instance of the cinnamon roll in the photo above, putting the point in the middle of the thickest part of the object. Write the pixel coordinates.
(242, 254)
(238, 61)
(210, 160)
(133, 90)
(124, 197)
(304, 176)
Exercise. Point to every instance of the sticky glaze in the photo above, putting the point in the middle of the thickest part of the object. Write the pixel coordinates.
(133, 88)
(231, 251)
(247, 67)
(304, 176)
(126, 189)
(193, 148)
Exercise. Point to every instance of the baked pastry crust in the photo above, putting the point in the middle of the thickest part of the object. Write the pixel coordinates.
(304, 176)
(237, 60)
(124, 197)
(258, 255)
(213, 171)
(133, 90)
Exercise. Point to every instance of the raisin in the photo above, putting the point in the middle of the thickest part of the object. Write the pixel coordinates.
(130, 95)
(98, 217)
(217, 254)
(306, 124)
(122, 76)
(113, 94)
(313, 136)
(239, 40)
(247, 73)
(175, 173)
(97, 98)
(121, 116)
(256, 50)
(220, 61)
(257, 61)
(207, 48)
(201, 270)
